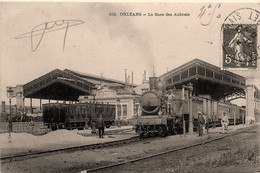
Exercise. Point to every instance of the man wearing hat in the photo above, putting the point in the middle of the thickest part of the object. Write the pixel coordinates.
(224, 122)
(201, 122)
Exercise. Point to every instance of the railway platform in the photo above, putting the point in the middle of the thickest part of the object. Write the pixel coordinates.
(26, 143)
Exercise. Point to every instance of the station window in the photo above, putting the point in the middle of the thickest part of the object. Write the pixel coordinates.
(119, 111)
(209, 73)
(176, 78)
(168, 81)
(201, 70)
(136, 107)
(218, 76)
(86, 87)
(79, 84)
(226, 78)
(184, 74)
(55, 76)
(124, 111)
(48, 79)
(192, 71)
(235, 81)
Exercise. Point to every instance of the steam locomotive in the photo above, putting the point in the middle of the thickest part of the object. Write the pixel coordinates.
(78, 115)
(170, 112)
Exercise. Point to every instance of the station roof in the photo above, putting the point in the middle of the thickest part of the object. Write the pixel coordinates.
(66, 85)
(206, 79)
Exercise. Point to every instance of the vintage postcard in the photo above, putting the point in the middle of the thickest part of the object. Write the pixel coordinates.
(129, 86)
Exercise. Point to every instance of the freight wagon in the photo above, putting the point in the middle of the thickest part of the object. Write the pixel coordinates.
(77, 116)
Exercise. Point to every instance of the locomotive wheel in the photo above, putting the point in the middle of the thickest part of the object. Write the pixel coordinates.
(175, 132)
(141, 135)
(160, 131)
(166, 131)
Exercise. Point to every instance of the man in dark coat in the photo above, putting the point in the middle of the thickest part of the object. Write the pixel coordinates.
(100, 126)
(201, 122)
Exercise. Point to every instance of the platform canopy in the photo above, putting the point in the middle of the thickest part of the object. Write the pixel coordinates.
(207, 79)
(66, 85)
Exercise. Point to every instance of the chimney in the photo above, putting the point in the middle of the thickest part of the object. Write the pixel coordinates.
(128, 80)
(125, 78)
(144, 75)
(132, 80)
(3, 106)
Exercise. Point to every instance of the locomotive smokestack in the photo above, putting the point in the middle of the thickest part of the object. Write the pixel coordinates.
(128, 80)
(153, 83)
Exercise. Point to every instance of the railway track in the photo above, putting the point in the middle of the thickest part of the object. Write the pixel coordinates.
(81, 147)
(244, 130)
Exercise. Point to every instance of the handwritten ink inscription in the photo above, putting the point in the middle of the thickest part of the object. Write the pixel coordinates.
(240, 45)
(207, 13)
(37, 33)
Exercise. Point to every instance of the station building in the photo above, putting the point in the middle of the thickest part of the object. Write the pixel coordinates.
(208, 81)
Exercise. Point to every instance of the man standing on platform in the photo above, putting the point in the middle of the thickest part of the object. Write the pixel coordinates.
(170, 102)
(201, 122)
(100, 126)
(206, 124)
(224, 123)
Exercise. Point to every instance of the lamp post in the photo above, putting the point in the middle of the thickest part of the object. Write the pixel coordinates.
(94, 92)
(10, 95)
(118, 118)
(190, 87)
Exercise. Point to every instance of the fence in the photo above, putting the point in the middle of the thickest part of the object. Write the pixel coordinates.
(37, 128)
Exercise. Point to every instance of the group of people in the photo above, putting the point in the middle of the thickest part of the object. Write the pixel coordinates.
(203, 123)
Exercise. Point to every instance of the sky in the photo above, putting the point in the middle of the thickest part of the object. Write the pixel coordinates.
(108, 44)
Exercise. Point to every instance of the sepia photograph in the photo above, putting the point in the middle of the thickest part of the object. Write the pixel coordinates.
(163, 86)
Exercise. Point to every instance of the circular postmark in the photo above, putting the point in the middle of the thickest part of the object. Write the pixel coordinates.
(239, 39)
